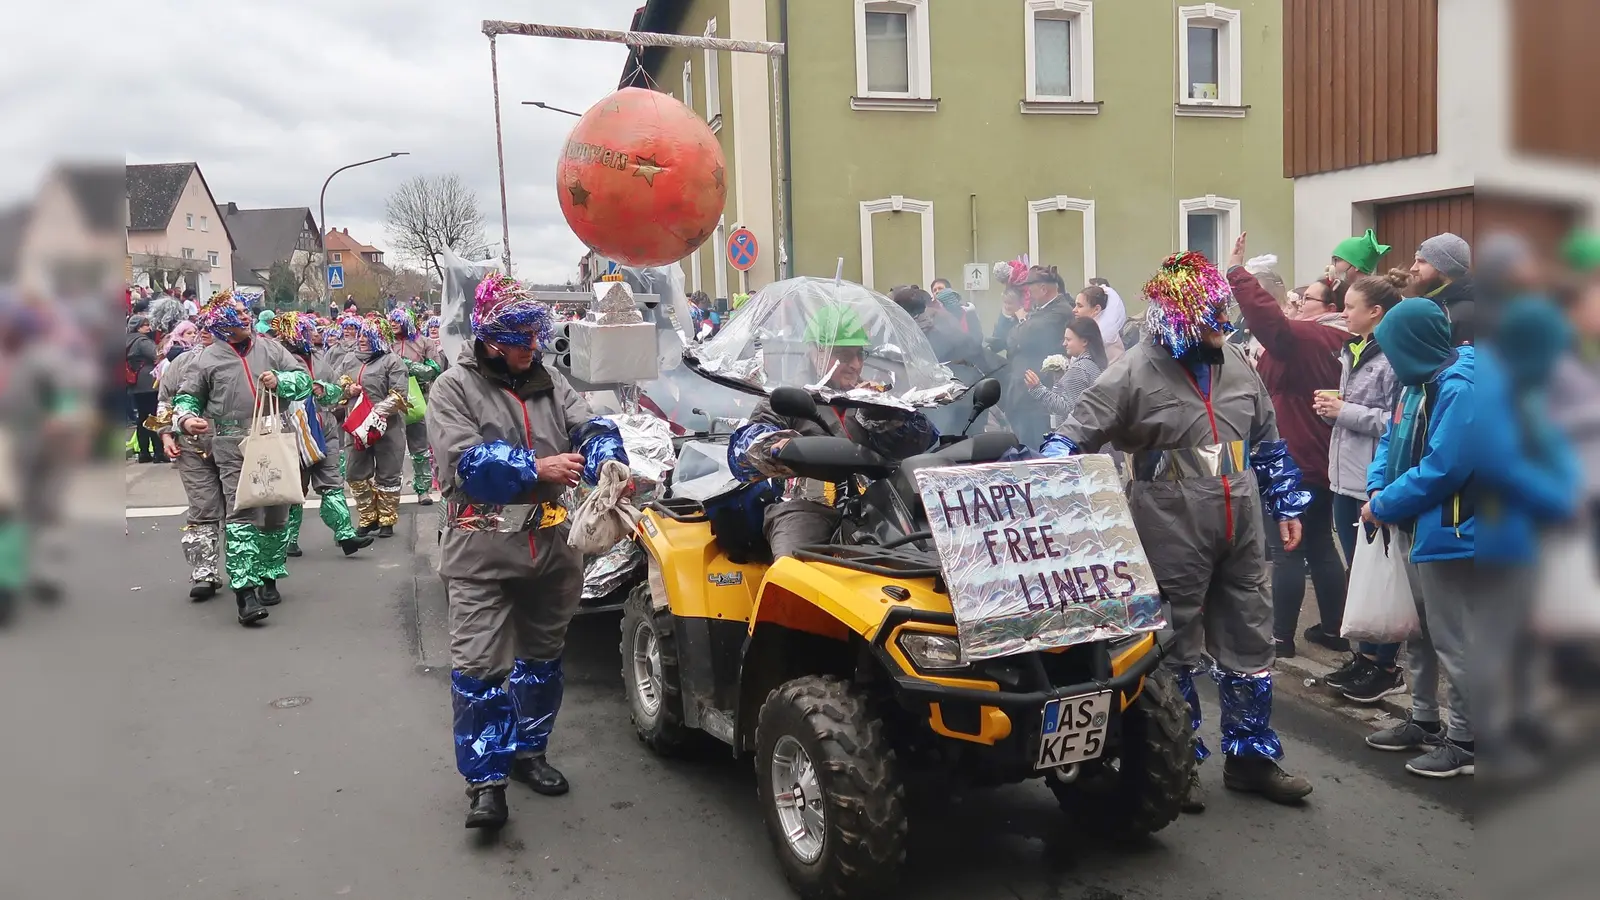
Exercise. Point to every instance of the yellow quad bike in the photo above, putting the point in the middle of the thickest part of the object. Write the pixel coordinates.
(839, 671)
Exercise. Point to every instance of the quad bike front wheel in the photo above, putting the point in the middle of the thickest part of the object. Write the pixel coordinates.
(829, 790)
(1143, 789)
(649, 654)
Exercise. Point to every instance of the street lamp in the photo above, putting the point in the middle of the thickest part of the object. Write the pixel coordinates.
(558, 109)
(322, 213)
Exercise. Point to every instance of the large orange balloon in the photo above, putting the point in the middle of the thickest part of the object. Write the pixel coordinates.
(642, 179)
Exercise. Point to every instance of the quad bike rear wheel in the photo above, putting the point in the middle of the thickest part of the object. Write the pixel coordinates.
(1144, 791)
(830, 793)
(649, 654)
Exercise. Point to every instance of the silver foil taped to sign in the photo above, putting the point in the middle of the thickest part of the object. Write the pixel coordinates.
(604, 574)
(1039, 555)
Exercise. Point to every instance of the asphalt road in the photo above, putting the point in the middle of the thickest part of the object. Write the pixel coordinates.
(143, 758)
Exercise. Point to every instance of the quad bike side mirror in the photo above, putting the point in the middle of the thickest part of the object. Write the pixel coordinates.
(985, 394)
(793, 403)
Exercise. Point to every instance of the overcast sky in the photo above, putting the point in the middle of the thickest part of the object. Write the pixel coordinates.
(269, 96)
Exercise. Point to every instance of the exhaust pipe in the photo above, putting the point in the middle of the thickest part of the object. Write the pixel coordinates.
(1065, 774)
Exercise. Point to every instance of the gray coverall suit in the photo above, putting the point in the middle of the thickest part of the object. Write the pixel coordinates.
(375, 472)
(414, 352)
(202, 485)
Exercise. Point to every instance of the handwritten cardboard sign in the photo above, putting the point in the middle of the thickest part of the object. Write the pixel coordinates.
(1039, 554)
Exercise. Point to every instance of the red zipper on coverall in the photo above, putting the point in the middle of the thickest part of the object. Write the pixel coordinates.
(1227, 490)
(249, 377)
(527, 426)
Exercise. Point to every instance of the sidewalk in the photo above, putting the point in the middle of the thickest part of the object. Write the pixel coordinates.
(1303, 674)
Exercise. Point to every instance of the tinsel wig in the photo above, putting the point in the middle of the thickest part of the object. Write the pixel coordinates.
(294, 330)
(222, 312)
(504, 311)
(1188, 298)
(405, 327)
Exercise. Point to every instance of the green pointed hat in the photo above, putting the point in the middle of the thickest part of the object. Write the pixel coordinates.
(1362, 252)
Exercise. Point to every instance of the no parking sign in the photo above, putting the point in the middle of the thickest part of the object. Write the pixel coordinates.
(742, 249)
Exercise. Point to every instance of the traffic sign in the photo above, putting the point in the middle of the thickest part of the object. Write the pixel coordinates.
(975, 276)
(336, 277)
(742, 249)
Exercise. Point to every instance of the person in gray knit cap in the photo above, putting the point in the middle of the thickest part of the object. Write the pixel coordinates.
(1442, 272)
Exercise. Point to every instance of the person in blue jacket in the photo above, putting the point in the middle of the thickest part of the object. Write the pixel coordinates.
(1418, 482)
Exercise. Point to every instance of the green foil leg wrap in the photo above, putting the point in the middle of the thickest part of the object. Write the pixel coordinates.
(335, 514)
(421, 474)
(273, 553)
(342, 457)
(243, 555)
(13, 554)
(297, 514)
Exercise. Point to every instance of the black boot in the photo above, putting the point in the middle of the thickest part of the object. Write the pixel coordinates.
(1260, 775)
(294, 549)
(356, 543)
(487, 807)
(250, 609)
(537, 773)
(385, 531)
(202, 591)
(269, 592)
(364, 530)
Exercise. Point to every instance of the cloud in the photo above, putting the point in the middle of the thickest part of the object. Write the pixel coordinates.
(269, 97)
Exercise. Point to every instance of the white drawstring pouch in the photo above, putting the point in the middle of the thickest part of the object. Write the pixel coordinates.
(605, 516)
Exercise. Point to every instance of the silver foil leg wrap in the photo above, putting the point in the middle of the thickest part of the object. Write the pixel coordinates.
(202, 549)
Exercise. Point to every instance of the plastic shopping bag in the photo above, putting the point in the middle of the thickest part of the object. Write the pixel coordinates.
(1378, 605)
(1566, 600)
(605, 516)
(270, 475)
(418, 403)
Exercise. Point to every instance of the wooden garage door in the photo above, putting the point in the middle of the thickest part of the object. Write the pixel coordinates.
(1405, 224)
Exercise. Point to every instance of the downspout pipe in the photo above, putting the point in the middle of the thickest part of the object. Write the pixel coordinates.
(787, 187)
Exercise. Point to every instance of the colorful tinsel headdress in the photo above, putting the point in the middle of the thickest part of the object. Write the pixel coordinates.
(1013, 272)
(1188, 297)
(378, 331)
(405, 327)
(294, 330)
(430, 326)
(504, 311)
(223, 312)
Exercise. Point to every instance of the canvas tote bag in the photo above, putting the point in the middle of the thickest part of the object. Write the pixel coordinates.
(271, 472)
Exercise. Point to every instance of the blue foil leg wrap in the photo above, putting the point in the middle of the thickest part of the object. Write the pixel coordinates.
(485, 723)
(1247, 715)
(536, 686)
(1186, 687)
(1278, 476)
(1057, 445)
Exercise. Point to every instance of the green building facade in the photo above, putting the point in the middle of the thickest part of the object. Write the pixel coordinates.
(919, 136)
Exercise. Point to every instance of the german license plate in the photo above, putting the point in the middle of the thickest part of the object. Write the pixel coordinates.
(1074, 729)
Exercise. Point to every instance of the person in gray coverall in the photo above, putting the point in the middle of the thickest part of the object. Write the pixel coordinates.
(375, 472)
(197, 472)
(218, 396)
(510, 436)
(424, 361)
(1195, 419)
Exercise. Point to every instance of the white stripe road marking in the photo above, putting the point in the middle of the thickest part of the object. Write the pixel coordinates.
(158, 512)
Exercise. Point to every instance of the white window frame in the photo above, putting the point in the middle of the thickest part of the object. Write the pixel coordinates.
(688, 83)
(1081, 14)
(1230, 61)
(1229, 213)
(205, 223)
(1063, 203)
(188, 221)
(338, 257)
(919, 59)
(213, 257)
(713, 83)
(894, 204)
(188, 253)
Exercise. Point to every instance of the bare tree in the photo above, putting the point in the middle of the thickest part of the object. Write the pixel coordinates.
(425, 216)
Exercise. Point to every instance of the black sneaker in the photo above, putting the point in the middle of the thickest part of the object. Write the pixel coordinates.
(1408, 735)
(1340, 679)
(1375, 683)
(1317, 636)
(1283, 648)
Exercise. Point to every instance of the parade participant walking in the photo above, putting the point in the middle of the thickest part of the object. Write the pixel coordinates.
(1418, 480)
(1195, 419)
(1360, 411)
(838, 344)
(510, 435)
(295, 331)
(375, 472)
(424, 361)
(218, 396)
(140, 355)
(201, 537)
(1300, 356)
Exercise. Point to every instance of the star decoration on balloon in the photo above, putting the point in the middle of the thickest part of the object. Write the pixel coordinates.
(717, 174)
(580, 195)
(647, 169)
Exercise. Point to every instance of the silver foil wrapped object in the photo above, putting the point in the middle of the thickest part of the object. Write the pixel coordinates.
(610, 570)
(648, 440)
(1039, 555)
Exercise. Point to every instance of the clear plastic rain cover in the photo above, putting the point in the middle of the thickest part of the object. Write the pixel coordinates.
(797, 333)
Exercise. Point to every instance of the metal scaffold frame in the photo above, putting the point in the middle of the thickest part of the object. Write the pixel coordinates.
(493, 28)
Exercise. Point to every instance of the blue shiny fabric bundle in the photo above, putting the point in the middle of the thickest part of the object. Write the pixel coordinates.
(739, 448)
(497, 473)
(598, 440)
(484, 724)
(1192, 697)
(1247, 715)
(1279, 479)
(1056, 446)
(536, 687)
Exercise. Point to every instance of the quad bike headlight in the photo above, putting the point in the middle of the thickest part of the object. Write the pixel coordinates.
(932, 651)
